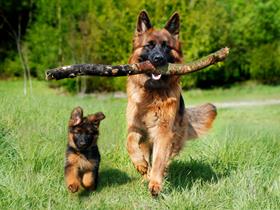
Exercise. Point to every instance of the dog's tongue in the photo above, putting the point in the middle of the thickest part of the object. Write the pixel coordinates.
(156, 77)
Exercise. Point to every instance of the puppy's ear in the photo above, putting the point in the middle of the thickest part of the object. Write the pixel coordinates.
(173, 25)
(96, 118)
(143, 23)
(76, 116)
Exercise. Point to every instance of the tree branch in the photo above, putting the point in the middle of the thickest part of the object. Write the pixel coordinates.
(138, 68)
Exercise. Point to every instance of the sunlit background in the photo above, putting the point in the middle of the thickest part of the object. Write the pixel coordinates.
(235, 166)
(38, 35)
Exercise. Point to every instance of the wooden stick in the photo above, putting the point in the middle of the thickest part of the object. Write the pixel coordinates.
(138, 68)
(99, 70)
(181, 69)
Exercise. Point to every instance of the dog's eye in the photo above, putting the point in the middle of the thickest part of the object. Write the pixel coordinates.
(151, 44)
(164, 44)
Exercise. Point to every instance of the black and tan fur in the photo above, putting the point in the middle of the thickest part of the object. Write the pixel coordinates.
(82, 154)
(158, 122)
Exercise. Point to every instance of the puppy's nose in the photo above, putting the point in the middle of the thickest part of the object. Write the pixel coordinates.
(82, 142)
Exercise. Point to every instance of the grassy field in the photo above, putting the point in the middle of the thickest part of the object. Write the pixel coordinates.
(236, 166)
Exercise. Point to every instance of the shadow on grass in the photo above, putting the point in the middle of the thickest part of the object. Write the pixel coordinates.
(183, 175)
(112, 177)
(108, 178)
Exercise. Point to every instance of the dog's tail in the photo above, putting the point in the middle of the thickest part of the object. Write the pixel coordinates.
(199, 119)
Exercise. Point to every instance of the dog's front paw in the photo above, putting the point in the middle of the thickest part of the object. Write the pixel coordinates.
(142, 169)
(146, 177)
(74, 187)
(154, 188)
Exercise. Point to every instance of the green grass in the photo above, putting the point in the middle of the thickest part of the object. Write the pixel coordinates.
(242, 92)
(235, 166)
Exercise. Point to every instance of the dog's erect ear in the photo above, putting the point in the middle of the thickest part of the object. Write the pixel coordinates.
(143, 23)
(173, 25)
(96, 118)
(76, 116)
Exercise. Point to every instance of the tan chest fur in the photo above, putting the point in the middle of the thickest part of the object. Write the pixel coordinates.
(149, 109)
(160, 112)
(81, 161)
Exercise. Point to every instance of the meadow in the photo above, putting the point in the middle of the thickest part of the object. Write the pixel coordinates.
(235, 166)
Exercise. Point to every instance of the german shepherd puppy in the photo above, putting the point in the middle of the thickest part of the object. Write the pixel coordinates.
(158, 122)
(82, 154)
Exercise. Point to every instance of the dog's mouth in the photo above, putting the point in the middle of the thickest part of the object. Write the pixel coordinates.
(156, 81)
(156, 76)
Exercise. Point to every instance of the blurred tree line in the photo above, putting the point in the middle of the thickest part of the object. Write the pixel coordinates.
(66, 32)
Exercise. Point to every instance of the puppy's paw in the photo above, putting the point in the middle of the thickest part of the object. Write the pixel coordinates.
(154, 188)
(74, 187)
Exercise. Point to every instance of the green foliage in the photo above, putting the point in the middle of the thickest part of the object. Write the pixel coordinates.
(12, 13)
(264, 63)
(66, 32)
(12, 66)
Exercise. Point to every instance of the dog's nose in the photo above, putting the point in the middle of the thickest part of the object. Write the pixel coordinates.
(158, 60)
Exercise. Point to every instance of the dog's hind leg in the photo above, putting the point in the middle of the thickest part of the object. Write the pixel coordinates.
(196, 121)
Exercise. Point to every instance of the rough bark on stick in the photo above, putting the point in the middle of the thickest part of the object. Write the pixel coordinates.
(99, 70)
(138, 68)
(181, 69)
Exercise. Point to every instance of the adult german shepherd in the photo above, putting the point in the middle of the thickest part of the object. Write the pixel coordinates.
(158, 122)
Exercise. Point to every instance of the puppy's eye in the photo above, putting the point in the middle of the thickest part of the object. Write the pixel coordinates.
(76, 131)
(76, 136)
(151, 44)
